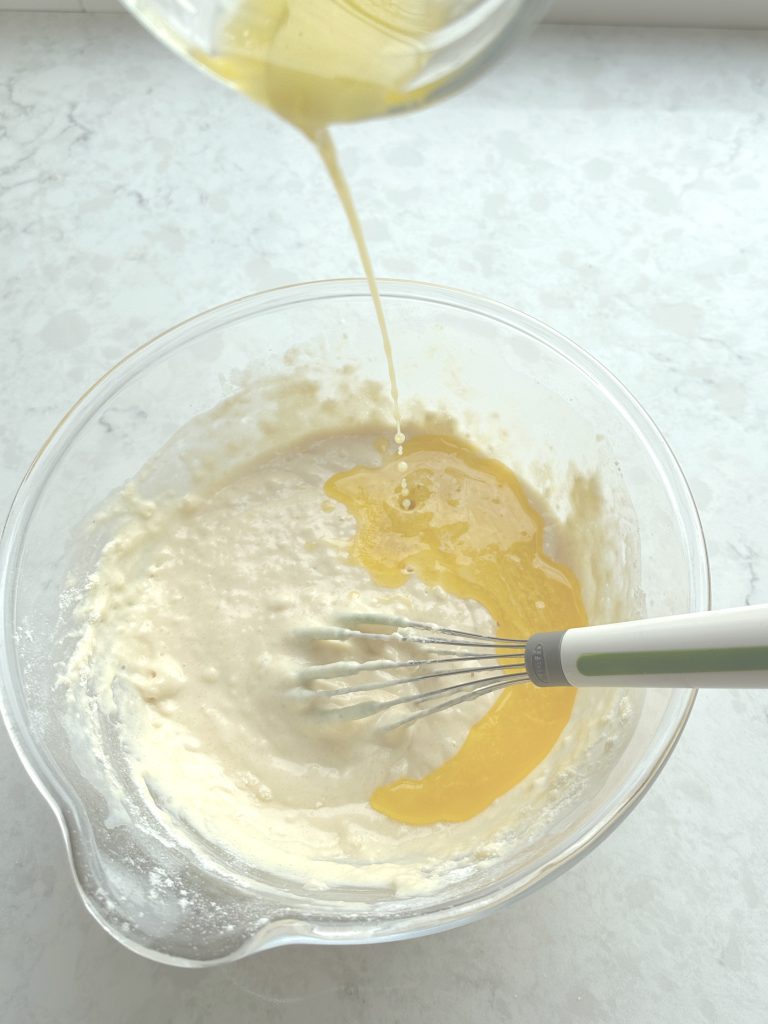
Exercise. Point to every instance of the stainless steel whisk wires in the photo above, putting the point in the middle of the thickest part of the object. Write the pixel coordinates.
(492, 662)
(727, 648)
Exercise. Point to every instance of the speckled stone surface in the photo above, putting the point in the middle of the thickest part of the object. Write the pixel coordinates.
(610, 182)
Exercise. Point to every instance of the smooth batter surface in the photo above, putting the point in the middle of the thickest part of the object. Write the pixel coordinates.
(189, 645)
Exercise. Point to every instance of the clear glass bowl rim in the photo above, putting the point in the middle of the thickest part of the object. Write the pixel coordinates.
(75, 827)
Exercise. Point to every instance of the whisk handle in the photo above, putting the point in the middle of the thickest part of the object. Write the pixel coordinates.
(720, 649)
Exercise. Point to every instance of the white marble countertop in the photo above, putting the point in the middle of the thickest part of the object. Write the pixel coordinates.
(611, 182)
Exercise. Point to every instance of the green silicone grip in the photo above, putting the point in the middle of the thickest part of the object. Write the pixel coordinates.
(704, 659)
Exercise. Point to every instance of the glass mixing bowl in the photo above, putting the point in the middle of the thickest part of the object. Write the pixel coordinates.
(543, 405)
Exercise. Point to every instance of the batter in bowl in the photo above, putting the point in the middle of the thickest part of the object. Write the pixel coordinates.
(192, 643)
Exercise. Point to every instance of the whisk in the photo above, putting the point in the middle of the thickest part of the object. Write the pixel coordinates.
(727, 649)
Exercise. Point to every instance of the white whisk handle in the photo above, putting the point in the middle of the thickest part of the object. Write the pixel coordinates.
(720, 649)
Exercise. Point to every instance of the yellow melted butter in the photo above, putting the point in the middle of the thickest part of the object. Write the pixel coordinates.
(472, 531)
(317, 64)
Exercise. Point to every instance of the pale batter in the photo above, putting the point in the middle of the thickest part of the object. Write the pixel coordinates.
(194, 607)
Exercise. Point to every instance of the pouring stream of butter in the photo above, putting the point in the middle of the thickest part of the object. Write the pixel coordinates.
(320, 64)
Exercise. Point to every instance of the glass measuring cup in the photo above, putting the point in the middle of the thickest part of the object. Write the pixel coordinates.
(321, 62)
